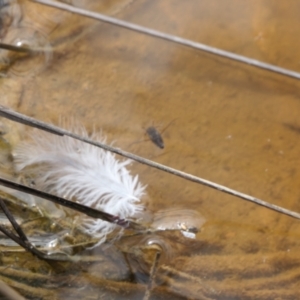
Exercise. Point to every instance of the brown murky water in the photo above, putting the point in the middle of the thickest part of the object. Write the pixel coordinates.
(232, 124)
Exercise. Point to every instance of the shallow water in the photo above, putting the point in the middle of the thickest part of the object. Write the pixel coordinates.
(232, 124)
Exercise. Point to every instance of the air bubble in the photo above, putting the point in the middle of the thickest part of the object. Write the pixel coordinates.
(188, 221)
(160, 244)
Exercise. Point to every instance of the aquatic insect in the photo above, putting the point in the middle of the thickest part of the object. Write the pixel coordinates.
(81, 172)
(155, 137)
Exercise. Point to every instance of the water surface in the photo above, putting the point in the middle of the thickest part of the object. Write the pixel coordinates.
(232, 124)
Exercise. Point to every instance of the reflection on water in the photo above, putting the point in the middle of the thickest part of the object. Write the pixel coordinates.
(235, 125)
(187, 221)
(20, 31)
(29, 64)
(10, 15)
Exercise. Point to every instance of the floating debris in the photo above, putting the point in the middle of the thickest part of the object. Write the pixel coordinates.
(83, 173)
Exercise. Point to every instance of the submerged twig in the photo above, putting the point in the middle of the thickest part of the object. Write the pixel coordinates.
(22, 239)
(18, 117)
(8, 292)
(24, 49)
(152, 276)
(15, 48)
(171, 38)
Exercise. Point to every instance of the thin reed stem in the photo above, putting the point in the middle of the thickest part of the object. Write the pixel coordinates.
(15, 48)
(18, 117)
(171, 38)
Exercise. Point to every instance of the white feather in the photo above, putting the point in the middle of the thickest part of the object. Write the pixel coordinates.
(81, 172)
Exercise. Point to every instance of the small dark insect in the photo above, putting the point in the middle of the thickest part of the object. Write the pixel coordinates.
(155, 137)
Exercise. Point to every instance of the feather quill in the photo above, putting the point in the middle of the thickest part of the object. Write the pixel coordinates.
(81, 172)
